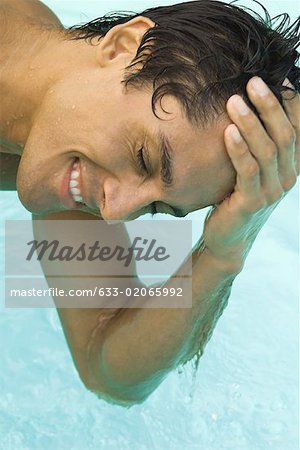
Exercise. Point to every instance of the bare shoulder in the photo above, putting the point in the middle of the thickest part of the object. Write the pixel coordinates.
(14, 14)
(33, 9)
(17, 15)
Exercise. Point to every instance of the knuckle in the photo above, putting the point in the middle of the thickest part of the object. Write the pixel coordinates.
(289, 136)
(250, 124)
(256, 205)
(270, 153)
(289, 183)
(242, 150)
(275, 196)
(252, 169)
(271, 102)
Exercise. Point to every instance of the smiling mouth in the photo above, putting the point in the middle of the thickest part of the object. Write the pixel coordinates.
(74, 183)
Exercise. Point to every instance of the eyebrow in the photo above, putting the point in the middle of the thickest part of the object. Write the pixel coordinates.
(167, 164)
(166, 160)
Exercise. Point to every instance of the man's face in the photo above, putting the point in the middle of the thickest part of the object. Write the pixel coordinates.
(90, 116)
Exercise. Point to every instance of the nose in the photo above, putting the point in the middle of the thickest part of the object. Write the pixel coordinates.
(125, 200)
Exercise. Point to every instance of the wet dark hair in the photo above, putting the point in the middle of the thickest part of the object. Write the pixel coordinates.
(202, 52)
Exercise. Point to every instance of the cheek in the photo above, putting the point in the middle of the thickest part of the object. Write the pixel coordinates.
(69, 119)
(201, 186)
(71, 111)
(221, 185)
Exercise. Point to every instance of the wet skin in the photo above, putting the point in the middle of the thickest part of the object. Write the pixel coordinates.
(81, 109)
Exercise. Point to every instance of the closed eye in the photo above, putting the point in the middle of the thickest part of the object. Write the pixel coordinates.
(141, 161)
(154, 210)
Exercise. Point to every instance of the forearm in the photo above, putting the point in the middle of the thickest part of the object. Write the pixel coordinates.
(141, 346)
(79, 326)
(124, 354)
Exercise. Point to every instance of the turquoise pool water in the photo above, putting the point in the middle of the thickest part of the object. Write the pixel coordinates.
(245, 396)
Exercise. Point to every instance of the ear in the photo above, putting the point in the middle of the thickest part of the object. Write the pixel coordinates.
(122, 40)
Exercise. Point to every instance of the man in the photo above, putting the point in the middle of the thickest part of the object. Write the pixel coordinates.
(189, 124)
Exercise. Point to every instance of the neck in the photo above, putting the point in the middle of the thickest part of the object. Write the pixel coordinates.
(32, 62)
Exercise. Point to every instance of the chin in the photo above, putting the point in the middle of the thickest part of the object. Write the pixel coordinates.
(33, 200)
(35, 197)
(37, 208)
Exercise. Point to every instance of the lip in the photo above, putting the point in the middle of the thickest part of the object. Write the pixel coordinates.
(91, 190)
(65, 195)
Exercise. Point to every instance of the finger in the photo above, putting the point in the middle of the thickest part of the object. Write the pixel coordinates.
(291, 101)
(247, 168)
(259, 143)
(279, 129)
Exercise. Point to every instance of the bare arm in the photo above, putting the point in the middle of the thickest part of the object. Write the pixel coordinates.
(124, 354)
(140, 347)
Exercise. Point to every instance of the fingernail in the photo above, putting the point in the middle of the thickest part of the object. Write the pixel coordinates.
(241, 106)
(288, 83)
(259, 86)
(235, 134)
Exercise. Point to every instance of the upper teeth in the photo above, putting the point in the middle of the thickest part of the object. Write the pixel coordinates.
(74, 184)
